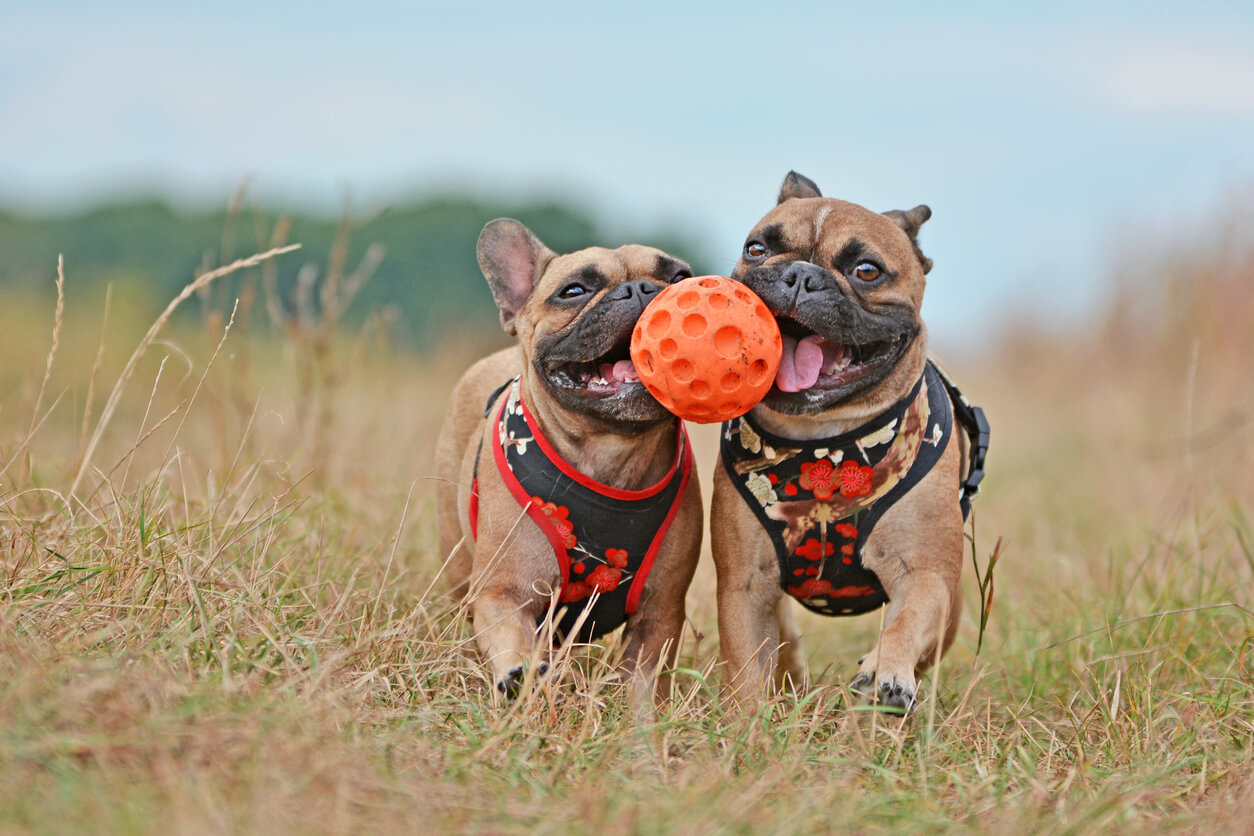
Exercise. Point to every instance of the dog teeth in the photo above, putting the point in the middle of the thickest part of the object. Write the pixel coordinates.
(600, 381)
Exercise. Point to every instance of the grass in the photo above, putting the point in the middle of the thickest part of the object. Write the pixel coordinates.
(220, 612)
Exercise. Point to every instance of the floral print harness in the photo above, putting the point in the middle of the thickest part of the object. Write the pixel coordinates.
(819, 500)
(605, 539)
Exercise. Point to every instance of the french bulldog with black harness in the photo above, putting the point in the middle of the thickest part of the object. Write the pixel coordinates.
(847, 486)
(566, 495)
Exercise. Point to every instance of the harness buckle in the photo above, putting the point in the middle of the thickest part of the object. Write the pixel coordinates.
(979, 451)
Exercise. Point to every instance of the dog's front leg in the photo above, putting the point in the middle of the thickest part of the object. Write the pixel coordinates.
(748, 594)
(791, 672)
(651, 637)
(924, 615)
(916, 552)
(651, 642)
(505, 627)
(749, 633)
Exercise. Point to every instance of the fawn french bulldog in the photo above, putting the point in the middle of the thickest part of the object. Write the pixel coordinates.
(566, 492)
(846, 487)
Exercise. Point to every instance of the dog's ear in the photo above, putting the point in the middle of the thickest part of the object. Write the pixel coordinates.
(512, 259)
(910, 221)
(797, 185)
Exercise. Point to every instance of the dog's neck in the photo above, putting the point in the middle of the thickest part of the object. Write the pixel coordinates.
(827, 424)
(627, 462)
(846, 417)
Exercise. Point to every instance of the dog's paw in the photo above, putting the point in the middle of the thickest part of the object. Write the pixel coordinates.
(510, 686)
(889, 693)
(861, 684)
(896, 696)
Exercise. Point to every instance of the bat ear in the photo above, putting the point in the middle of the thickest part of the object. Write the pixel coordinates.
(512, 259)
(910, 220)
(797, 185)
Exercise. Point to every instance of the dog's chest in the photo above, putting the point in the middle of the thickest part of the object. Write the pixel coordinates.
(604, 539)
(819, 500)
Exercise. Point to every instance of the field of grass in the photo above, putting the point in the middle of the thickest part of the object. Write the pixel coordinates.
(220, 608)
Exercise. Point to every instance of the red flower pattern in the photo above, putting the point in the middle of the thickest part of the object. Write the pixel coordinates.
(816, 476)
(575, 591)
(790, 489)
(616, 558)
(559, 516)
(852, 591)
(811, 588)
(604, 578)
(846, 530)
(812, 550)
(815, 588)
(855, 479)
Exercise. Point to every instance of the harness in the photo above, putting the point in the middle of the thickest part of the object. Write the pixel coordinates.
(819, 500)
(605, 539)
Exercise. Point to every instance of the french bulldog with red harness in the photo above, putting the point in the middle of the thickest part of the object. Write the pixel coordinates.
(567, 495)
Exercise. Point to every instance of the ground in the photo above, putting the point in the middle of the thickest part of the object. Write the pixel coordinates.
(220, 608)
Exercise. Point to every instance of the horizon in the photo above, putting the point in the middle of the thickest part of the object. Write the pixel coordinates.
(1052, 145)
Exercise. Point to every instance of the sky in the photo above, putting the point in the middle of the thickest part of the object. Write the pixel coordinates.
(1051, 141)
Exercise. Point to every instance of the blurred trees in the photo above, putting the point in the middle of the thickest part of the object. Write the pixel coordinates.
(428, 274)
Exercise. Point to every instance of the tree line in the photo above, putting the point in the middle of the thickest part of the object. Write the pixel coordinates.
(426, 273)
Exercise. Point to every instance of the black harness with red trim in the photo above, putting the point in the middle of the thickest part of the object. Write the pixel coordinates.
(605, 539)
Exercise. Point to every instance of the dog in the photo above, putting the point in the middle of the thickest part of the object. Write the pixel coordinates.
(566, 494)
(847, 486)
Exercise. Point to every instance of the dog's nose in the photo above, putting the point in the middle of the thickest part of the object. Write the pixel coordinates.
(804, 277)
(816, 281)
(641, 291)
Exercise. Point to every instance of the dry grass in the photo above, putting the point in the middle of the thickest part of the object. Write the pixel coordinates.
(195, 635)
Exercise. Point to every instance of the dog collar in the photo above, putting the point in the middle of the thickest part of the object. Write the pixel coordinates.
(605, 539)
(819, 500)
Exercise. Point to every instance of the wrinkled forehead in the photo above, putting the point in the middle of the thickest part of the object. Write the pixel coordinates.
(604, 266)
(809, 224)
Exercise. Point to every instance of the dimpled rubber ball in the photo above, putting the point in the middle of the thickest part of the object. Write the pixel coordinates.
(707, 348)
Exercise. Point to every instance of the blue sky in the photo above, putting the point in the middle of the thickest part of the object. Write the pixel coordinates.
(1050, 141)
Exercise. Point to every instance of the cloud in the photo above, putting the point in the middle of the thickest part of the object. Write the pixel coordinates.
(1186, 79)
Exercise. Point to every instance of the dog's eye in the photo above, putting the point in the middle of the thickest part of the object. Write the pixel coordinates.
(754, 250)
(867, 271)
(571, 291)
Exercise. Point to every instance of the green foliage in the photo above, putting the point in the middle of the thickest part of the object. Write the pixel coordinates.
(429, 272)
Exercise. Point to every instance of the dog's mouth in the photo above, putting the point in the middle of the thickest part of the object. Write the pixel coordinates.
(610, 374)
(811, 361)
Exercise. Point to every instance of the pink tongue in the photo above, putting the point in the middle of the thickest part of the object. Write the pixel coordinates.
(809, 360)
(800, 363)
(786, 377)
(621, 370)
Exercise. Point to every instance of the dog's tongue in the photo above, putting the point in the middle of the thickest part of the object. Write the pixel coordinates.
(619, 372)
(804, 360)
(800, 363)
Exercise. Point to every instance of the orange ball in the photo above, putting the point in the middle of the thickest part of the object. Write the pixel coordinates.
(707, 348)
